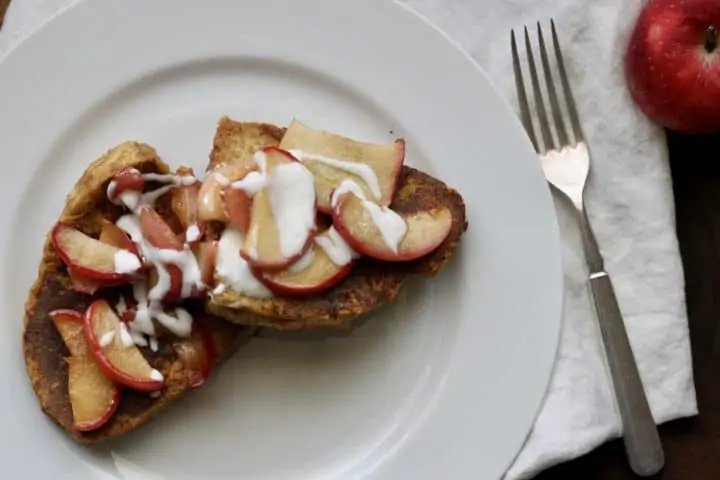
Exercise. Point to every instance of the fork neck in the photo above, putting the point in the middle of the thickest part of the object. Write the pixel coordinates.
(594, 259)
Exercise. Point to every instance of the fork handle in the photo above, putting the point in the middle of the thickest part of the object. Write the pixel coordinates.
(640, 434)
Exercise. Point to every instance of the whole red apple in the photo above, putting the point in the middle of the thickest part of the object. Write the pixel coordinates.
(672, 64)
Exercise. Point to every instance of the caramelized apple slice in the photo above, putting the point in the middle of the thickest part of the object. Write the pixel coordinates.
(314, 273)
(282, 220)
(424, 231)
(174, 290)
(184, 203)
(206, 255)
(238, 208)
(196, 354)
(159, 234)
(113, 235)
(88, 285)
(93, 258)
(211, 204)
(93, 397)
(123, 363)
(69, 325)
(128, 179)
(333, 158)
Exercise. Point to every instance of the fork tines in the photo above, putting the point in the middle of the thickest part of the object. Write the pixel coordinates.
(561, 132)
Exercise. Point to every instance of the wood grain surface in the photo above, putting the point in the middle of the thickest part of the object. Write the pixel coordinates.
(692, 446)
(3, 8)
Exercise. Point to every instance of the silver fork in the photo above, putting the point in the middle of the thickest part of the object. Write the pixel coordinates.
(566, 164)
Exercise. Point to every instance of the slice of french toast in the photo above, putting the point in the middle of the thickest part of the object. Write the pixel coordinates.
(46, 354)
(371, 283)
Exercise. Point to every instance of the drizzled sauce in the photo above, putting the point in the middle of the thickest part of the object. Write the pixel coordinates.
(107, 338)
(292, 201)
(141, 330)
(232, 270)
(336, 248)
(360, 169)
(291, 194)
(391, 225)
(193, 233)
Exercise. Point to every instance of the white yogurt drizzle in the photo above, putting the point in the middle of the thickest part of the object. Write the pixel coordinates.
(360, 169)
(219, 289)
(292, 202)
(336, 248)
(121, 305)
(391, 225)
(172, 178)
(304, 261)
(291, 194)
(107, 338)
(251, 183)
(233, 270)
(141, 330)
(193, 233)
(125, 339)
(221, 179)
(126, 262)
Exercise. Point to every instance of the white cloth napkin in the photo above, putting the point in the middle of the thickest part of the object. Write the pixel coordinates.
(630, 205)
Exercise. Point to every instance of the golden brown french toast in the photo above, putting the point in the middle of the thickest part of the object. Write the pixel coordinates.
(46, 354)
(371, 283)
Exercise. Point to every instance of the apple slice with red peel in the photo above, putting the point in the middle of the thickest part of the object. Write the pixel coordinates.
(91, 257)
(157, 232)
(383, 162)
(94, 398)
(185, 202)
(69, 325)
(197, 355)
(115, 236)
(206, 255)
(238, 208)
(263, 246)
(425, 230)
(174, 291)
(83, 284)
(211, 205)
(160, 235)
(112, 235)
(311, 275)
(125, 180)
(124, 364)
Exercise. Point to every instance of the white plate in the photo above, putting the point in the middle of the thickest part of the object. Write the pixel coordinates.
(443, 384)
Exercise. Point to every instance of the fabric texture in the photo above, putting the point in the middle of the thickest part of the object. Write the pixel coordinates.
(629, 201)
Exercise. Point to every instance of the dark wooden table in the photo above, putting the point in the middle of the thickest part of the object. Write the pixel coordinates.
(692, 447)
